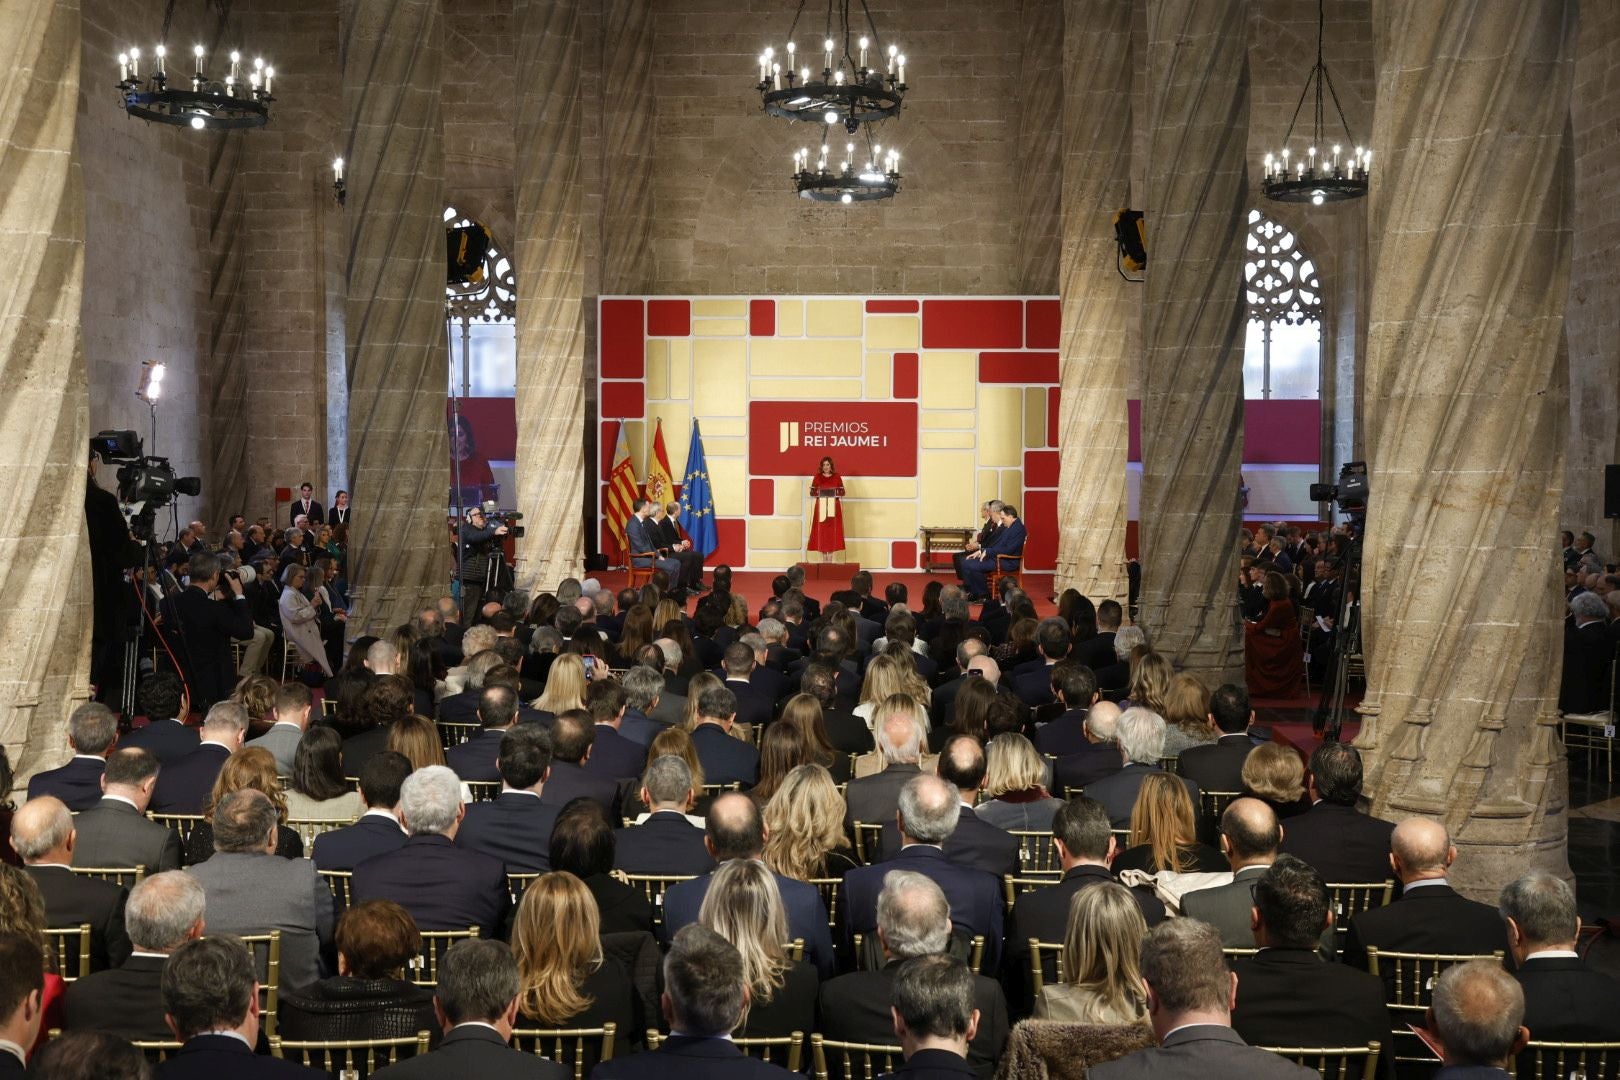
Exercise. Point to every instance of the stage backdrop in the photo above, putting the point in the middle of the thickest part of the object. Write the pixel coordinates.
(928, 405)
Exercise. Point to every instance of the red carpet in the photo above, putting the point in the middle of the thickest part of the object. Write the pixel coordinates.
(755, 586)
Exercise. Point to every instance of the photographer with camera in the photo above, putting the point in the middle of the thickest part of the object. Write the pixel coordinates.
(480, 557)
(207, 625)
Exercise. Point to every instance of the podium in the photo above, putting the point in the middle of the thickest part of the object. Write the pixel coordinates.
(830, 571)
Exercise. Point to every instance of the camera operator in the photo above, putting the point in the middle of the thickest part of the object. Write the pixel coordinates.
(207, 626)
(112, 599)
(480, 546)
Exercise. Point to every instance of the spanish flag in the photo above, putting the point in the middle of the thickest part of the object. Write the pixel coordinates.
(660, 482)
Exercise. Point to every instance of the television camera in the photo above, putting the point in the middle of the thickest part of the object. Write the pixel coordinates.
(146, 483)
(1349, 494)
(495, 517)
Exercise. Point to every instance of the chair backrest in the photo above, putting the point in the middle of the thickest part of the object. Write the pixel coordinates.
(268, 947)
(711, 791)
(578, 1048)
(180, 823)
(516, 883)
(1045, 963)
(483, 790)
(653, 887)
(1170, 764)
(1212, 804)
(70, 950)
(353, 1059)
(424, 970)
(868, 836)
(1012, 886)
(1556, 1060)
(452, 735)
(156, 1051)
(828, 888)
(1037, 854)
(832, 1058)
(339, 882)
(1233, 952)
(795, 949)
(1351, 898)
(328, 707)
(127, 876)
(1334, 1062)
(309, 828)
(1408, 989)
(784, 1050)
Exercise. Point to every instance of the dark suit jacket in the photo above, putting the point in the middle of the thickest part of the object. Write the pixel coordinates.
(1117, 792)
(1217, 766)
(208, 626)
(1226, 908)
(443, 887)
(1207, 1051)
(874, 799)
(362, 746)
(569, 781)
(640, 728)
(126, 1001)
(459, 708)
(725, 759)
(1292, 997)
(855, 1008)
(615, 757)
(1429, 919)
(1043, 914)
(1343, 845)
(754, 705)
(515, 827)
(209, 1057)
(1588, 653)
(1033, 683)
(78, 783)
(475, 758)
(1095, 652)
(666, 843)
(1065, 735)
(847, 732)
(684, 1058)
(1087, 765)
(71, 900)
(348, 847)
(316, 515)
(183, 787)
(975, 843)
(975, 896)
(1566, 1001)
(167, 740)
(791, 1008)
(114, 833)
(806, 915)
(475, 1052)
(938, 1065)
(624, 908)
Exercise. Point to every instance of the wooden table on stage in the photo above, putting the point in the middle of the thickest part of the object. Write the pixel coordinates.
(941, 541)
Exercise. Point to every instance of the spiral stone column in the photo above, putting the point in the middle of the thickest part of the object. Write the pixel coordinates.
(1097, 303)
(227, 486)
(398, 455)
(1466, 411)
(1192, 375)
(44, 411)
(627, 146)
(549, 269)
(1040, 138)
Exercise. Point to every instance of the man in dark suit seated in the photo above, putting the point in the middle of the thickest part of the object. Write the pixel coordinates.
(872, 799)
(1095, 757)
(116, 830)
(1429, 916)
(1190, 993)
(754, 705)
(164, 912)
(641, 536)
(443, 887)
(22, 1006)
(1140, 734)
(476, 758)
(913, 920)
(378, 829)
(612, 757)
(573, 738)
(1344, 845)
(1287, 994)
(462, 707)
(847, 732)
(736, 830)
(990, 514)
(1249, 838)
(1565, 1000)
(1218, 766)
(477, 1004)
(1009, 542)
(942, 703)
(705, 998)
(725, 759)
(927, 815)
(211, 1004)
(666, 842)
(162, 700)
(1115, 676)
(1032, 681)
(1477, 1018)
(515, 827)
(935, 1018)
(642, 688)
(42, 835)
(1098, 651)
(92, 733)
(1588, 657)
(184, 786)
(974, 842)
(1076, 687)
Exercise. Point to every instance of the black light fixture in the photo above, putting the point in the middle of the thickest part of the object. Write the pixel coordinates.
(853, 180)
(240, 99)
(1326, 171)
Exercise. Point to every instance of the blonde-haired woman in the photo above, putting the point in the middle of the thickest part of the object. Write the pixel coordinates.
(1151, 675)
(1274, 774)
(701, 683)
(1102, 971)
(744, 906)
(886, 677)
(250, 767)
(677, 741)
(1164, 834)
(804, 827)
(566, 980)
(1015, 786)
(1186, 715)
(565, 686)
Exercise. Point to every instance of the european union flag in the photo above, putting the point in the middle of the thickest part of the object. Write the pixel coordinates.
(697, 500)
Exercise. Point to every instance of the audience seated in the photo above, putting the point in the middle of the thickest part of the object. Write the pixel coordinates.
(1429, 916)
(378, 829)
(755, 704)
(666, 841)
(1031, 681)
(744, 906)
(1345, 846)
(1249, 837)
(1114, 675)
(22, 914)
(1218, 765)
(572, 736)
(248, 768)
(1102, 981)
(1140, 733)
(1163, 835)
(1477, 1017)
(1186, 715)
(368, 998)
(292, 719)
(872, 799)
(566, 980)
(974, 842)
(184, 784)
(42, 834)
(1565, 1000)
(444, 887)
(162, 699)
(612, 755)
(211, 1003)
(935, 1019)
(804, 827)
(582, 845)
(726, 759)
(476, 758)
(461, 706)
(515, 827)
(92, 733)
(250, 891)
(388, 698)
(89, 1055)
(1274, 774)
(116, 831)
(1190, 993)
(705, 999)
(1015, 792)
(1076, 690)
(1095, 757)
(848, 733)
(642, 688)
(163, 913)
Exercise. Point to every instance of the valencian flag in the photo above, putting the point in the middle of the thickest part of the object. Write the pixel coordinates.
(621, 491)
(697, 499)
(660, 481)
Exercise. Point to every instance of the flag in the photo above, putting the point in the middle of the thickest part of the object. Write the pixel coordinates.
(660, 481)
(697, 500)
(621, 491)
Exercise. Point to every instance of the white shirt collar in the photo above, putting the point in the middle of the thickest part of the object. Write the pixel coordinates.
(519, 791)
(389, 814)
(1410, 885)
(237, 1035)
(119, 798)
(14, 1050)
(287, 723)
(90, 757)
(214, 742)
(1184, 1027)
(52, 865)
(143, 952)
(1570, 954)
(683, 1035)
(477, 1023)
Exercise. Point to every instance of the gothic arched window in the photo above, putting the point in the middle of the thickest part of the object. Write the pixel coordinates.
(1282, 354)
(482, 318)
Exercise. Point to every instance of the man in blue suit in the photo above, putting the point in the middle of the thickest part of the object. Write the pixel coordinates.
(475, 759)
(378, 831)
(92, 733)
(725, 758)
(162, 698)
(1009, 541)
(612, 755)
(666, 842)
(644, 545)
(736, 830)
(516, 827)
(928, 814)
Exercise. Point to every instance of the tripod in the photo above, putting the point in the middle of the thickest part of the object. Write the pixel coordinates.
(1329, 718)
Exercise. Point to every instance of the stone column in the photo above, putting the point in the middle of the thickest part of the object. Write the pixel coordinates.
(227, 488)
(1192, 375)
(398, 455)
(627, 147)
(1098, 304)
(44, 412)
(1466, 406)
(1040, 138)
(550, 291)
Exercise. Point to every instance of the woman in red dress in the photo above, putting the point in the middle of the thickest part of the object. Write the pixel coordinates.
(1274, 656)
(827, 514)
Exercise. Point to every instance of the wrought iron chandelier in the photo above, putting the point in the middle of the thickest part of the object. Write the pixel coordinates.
(1324, 173)
(853, 180)
(241, 99)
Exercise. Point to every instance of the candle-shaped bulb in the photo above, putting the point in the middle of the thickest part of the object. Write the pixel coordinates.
(337, 168)
(1285, 157)
(828, 45)
(197, 51)
(791, 48)
(161, 52)
(258, 62)
(1312, 153)
(863, 43)
(123, 67)
(804, 74)
(135, 63)
(236, 58)
(849, 148)
(838, 77)
(831, 117)
(1335, 149)
(901, 60)
(776, 76)
(269, 73)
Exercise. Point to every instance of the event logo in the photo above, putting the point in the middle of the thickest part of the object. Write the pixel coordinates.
(863, 438)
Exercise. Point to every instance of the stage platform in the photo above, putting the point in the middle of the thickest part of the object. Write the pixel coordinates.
(822, 580)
